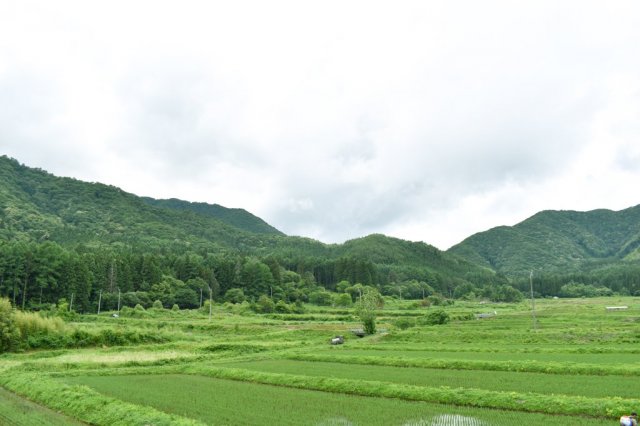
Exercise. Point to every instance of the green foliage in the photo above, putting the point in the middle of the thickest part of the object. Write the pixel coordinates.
(321, 298)
(283, 308)
(581, 290)
(265, 305)
(238, 218)
(437, 317)
(404, 323)
(366, 308)
(63, 237)
(157, 304)
(342, 300)
(234, 295)
(9, 332)
(555, 242)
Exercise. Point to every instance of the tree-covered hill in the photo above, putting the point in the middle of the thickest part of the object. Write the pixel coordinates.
(239, 218)
(37, 206)
(61, 236)
(556, 242)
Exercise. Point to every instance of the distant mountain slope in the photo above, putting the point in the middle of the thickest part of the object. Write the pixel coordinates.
(556, 241)
(238, 218)
(37, 206)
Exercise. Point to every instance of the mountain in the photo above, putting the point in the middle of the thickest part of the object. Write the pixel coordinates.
(238, 218)
(36, 206)
(556, 241)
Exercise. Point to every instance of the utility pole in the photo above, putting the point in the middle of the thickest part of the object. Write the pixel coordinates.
(201, 297)
(210, 302)
(99, 301)
(118, 300)
(533, 301)
(71, 303)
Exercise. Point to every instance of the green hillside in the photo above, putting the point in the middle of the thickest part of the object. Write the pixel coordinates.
(238, 218)
(556, 241)
(37, 206)
(60, 236)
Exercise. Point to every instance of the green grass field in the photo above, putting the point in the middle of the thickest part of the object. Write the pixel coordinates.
(215, 401)
(18, 411)
(577, 366)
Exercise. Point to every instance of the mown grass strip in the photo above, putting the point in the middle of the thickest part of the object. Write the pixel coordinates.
(516, 401)
(579, 350)
(505, 381)
(514, 366)
(84, 403)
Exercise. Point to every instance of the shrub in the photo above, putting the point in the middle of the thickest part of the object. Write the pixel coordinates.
(298, 307)
(321, 298)
(366, 309)
(404, 323)
(175, 308)
(282, 307)
(9, 333)
(157, 305)
(435, 300)
(265, 305)
(343, 300)
(234, 295)
(31, 323)
(139, 308)
(435, 318)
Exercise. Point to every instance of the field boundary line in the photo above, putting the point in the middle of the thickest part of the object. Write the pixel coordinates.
(511, 366)
(86, 404)
(515, 401)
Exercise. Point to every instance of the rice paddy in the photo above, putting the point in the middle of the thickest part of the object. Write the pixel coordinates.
(576, 365)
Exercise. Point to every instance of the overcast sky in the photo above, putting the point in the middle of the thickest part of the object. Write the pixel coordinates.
(424, 120)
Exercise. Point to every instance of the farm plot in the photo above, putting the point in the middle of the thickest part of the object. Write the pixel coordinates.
(591, 386)
(216, 401)
(587, 358)
(18, 411)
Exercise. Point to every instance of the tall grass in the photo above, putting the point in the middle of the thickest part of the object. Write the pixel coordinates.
(31, 323)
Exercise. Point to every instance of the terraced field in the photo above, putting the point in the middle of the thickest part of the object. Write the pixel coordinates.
(577, 366)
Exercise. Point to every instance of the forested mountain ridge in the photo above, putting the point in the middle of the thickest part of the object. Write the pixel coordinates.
(239, 218)
(61, 236)
(556, 242)
(36, 205)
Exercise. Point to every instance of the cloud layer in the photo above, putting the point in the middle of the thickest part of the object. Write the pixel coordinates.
(424, 120)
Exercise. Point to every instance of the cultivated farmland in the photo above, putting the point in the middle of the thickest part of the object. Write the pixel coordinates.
(577, 365)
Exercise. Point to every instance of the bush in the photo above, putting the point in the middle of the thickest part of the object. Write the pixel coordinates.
(404, 323)
(265, 305)
(282, 307)
(435, 318)
(175, 308)
(31, 323)
(321, 298)
(157, 305)
(9, 333)
(343, 300)
(234, 295)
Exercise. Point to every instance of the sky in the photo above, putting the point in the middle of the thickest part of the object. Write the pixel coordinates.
(423, 120)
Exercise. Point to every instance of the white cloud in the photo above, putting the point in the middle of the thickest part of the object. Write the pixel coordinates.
(424, 120)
